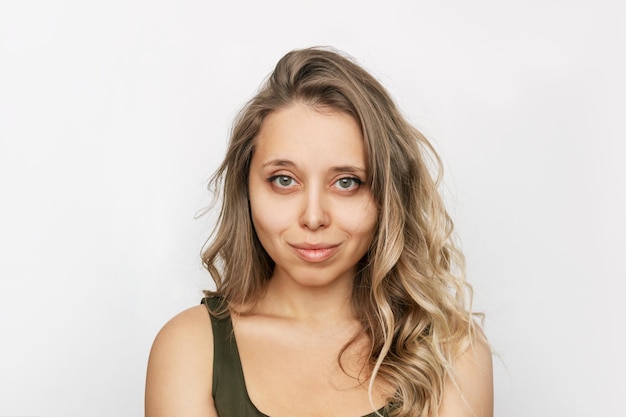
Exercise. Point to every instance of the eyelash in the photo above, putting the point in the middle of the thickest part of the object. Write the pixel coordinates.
(274, 178)
(356, 183)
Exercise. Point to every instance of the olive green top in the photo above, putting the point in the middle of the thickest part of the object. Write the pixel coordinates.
(229, 386)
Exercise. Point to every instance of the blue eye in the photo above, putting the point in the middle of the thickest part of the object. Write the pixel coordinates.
(282, 181)
(348, 183)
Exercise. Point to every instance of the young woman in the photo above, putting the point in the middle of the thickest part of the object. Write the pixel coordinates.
(339, 291)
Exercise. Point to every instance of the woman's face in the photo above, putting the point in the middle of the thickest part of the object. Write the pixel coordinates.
(311, 208)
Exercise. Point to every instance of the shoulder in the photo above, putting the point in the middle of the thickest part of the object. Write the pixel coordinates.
(180, 367)
(189, 330)
(470, 391)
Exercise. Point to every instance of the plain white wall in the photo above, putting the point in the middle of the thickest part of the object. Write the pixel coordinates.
(114, 114)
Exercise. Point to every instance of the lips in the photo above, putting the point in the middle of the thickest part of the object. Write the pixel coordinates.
(315, 253)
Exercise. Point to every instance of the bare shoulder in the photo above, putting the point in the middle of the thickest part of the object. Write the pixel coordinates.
(470, 393)
(180, 367)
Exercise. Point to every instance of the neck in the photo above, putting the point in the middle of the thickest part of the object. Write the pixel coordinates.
(324, 304)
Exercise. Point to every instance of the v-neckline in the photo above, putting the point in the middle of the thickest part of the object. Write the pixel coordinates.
(239, 370)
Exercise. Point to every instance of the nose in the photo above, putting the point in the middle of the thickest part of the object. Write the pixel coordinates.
(315, 213)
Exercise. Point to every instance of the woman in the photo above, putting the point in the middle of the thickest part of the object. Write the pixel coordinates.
(339, 291)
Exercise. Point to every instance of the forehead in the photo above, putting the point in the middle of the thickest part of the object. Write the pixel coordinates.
(308, 134)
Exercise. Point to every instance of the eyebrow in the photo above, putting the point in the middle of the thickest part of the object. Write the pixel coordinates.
(279, 163)
(348, 169)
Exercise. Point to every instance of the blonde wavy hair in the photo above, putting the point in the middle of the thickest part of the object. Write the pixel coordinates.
(410, 293)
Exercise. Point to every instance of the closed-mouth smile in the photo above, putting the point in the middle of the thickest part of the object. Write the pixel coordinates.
(315, 253)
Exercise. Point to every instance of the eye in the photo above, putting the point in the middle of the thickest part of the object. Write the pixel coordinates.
(348, 183)
(282, 181)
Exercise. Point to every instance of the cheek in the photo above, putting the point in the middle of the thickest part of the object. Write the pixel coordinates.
(360, 220)
(266, 217)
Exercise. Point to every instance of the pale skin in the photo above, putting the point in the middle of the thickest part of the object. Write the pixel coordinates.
(315, 216)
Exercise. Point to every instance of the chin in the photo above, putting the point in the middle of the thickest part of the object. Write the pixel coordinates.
(318, 278)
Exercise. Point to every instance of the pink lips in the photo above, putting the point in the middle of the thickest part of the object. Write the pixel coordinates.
(315, 253)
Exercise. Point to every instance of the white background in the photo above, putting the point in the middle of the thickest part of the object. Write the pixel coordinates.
(114, 114)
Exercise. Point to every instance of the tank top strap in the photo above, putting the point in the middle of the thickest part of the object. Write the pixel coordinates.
(229, 386)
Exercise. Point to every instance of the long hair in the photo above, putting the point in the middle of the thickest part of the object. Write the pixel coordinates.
(410, 293)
